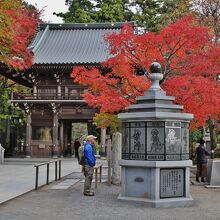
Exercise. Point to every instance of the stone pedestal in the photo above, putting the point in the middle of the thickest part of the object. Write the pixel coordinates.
(213, 178)
(156, 183)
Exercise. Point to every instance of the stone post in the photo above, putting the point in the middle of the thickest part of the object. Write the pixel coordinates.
(109, 157)
(116, 156)
(103, 142)
(2, 152)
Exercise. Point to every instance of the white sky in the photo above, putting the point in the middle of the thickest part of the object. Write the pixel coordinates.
(49, 7)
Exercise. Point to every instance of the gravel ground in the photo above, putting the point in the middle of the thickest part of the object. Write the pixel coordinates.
(70, 204)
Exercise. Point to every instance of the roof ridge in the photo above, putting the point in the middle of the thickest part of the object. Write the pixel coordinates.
(61, 26)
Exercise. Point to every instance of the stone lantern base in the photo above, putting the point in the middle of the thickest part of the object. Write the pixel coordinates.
(156, 183)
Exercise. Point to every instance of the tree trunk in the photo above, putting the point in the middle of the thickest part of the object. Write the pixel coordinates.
(116, 156)
(213, 139)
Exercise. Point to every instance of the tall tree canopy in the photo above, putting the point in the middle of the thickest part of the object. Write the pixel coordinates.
(189, 59)
(83, 11)
(80, 11)
(149, 14)
(209, 13)
(18, 23)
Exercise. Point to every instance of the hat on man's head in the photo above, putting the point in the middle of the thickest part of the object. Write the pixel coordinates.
(201, 141)
(89, 137)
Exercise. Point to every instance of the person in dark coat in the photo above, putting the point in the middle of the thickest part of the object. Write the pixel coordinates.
(202, 161)
(76, 146)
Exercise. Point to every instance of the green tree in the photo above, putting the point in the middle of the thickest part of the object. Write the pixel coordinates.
(112, 11)
(4, 106)
(83, 11)
(173, 10)
(110, 121)
(6, 88)
(80, 11)
(147, 13)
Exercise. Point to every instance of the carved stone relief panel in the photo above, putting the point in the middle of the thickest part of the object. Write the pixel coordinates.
(155, 140)
(137, 140)
(173, 138)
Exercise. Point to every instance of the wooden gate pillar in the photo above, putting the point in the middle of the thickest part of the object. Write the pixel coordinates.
(55, 135)
(28, 135)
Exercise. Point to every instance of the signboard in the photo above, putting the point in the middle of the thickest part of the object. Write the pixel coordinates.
(172, 183)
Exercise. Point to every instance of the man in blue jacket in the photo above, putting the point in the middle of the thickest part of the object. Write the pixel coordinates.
(90, 161)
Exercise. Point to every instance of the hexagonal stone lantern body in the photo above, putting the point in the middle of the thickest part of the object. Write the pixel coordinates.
(155, 149)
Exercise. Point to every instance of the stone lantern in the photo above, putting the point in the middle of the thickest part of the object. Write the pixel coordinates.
(155, 149)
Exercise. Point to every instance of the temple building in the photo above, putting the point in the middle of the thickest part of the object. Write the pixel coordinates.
(55, 102)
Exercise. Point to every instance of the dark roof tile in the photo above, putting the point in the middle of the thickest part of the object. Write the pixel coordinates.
(72, 43)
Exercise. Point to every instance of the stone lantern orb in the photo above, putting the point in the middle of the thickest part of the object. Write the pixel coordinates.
(155, 67)
(155, 148)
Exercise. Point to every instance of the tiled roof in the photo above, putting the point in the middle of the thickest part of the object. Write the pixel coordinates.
(72, 43)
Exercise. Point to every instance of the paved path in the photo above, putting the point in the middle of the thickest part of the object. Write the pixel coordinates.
(17, 176)
(69, 204)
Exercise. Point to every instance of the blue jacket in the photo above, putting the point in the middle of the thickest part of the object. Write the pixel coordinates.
(202, 154)
(90, 158)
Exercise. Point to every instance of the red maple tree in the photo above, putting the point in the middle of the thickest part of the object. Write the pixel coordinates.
(190, 61)
(17, 27)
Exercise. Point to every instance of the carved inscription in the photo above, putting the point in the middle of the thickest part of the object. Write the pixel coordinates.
(185, 140)
(137, 156)
(171, 183)
(155, 157)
